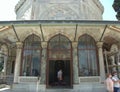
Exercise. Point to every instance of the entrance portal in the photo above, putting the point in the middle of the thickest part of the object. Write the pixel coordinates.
(54, 67)
(59, 57)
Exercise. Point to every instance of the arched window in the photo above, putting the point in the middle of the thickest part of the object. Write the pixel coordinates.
(59, 47)
(31, 56)
(88, 65)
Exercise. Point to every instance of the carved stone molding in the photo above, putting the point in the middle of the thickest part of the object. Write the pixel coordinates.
(19, 45)
(99, 44)
(44, 44)
(74, 44)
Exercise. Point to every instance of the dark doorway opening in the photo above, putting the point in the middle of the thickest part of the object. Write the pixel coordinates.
(54, 67)
(13, 67)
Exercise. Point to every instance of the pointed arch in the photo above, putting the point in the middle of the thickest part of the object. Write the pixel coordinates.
(59, 57)
(27, 34)
(31, 56)
(58, 44)
(50, 36)
(87, 56)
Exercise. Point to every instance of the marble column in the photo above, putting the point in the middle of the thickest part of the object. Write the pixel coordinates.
(5, 64)
(101, 61)
(75, 63)
(113, 62)
(1, 72)
(118, 61)
(106, 60)
(19, 46)
(43, 62)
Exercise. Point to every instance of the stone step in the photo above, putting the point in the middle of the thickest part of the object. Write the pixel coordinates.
(34, 87)
(9, 80)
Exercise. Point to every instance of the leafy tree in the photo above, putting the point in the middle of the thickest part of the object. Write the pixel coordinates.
(116, 6)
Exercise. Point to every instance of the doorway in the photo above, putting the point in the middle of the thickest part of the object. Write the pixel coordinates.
(54, 67)
(59, 57)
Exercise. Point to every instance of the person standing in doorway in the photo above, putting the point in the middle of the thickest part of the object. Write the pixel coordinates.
(109, 83)
(116, 82)
(59, 76)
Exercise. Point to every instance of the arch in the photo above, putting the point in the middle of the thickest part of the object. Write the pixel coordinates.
(32, 36)
(56, 42)
(59, 57)
(88, 34)
(79, 35)
(61, 33)
(109, 41)
(31, 61)
(27, 34)
(4, 49)
(87, 56)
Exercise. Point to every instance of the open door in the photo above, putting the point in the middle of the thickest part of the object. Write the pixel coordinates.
(59, 57)
(54, 67)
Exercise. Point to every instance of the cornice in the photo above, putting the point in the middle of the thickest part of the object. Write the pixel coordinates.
(59, 22)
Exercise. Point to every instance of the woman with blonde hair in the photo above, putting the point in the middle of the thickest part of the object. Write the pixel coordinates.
(109, 83)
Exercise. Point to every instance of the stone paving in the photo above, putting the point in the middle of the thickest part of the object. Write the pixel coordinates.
(49, 90)
(40, 88)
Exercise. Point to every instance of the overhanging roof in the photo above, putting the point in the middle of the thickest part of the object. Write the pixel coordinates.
(12, 31)
(59, 22)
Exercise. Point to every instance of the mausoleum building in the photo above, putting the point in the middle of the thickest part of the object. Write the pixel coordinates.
(49, 35)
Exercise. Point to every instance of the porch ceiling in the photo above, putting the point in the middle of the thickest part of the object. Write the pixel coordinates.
(12, 31)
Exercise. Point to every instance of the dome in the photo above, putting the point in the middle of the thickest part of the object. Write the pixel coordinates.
(59, 10)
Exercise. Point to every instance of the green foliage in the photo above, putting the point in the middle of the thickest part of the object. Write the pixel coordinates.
(116, 6)
(118, 15)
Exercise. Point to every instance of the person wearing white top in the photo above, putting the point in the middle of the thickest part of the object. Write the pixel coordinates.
(59, 76)
(109, 83)
(116, 82)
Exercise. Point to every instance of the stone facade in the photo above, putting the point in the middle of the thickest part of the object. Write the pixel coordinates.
(71, 11)
(71, 31)
(59, 10)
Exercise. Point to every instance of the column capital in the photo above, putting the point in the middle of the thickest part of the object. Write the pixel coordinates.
(17, 61)
(74, 44)
(19, 45)
(44, 44)
(99, 44)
